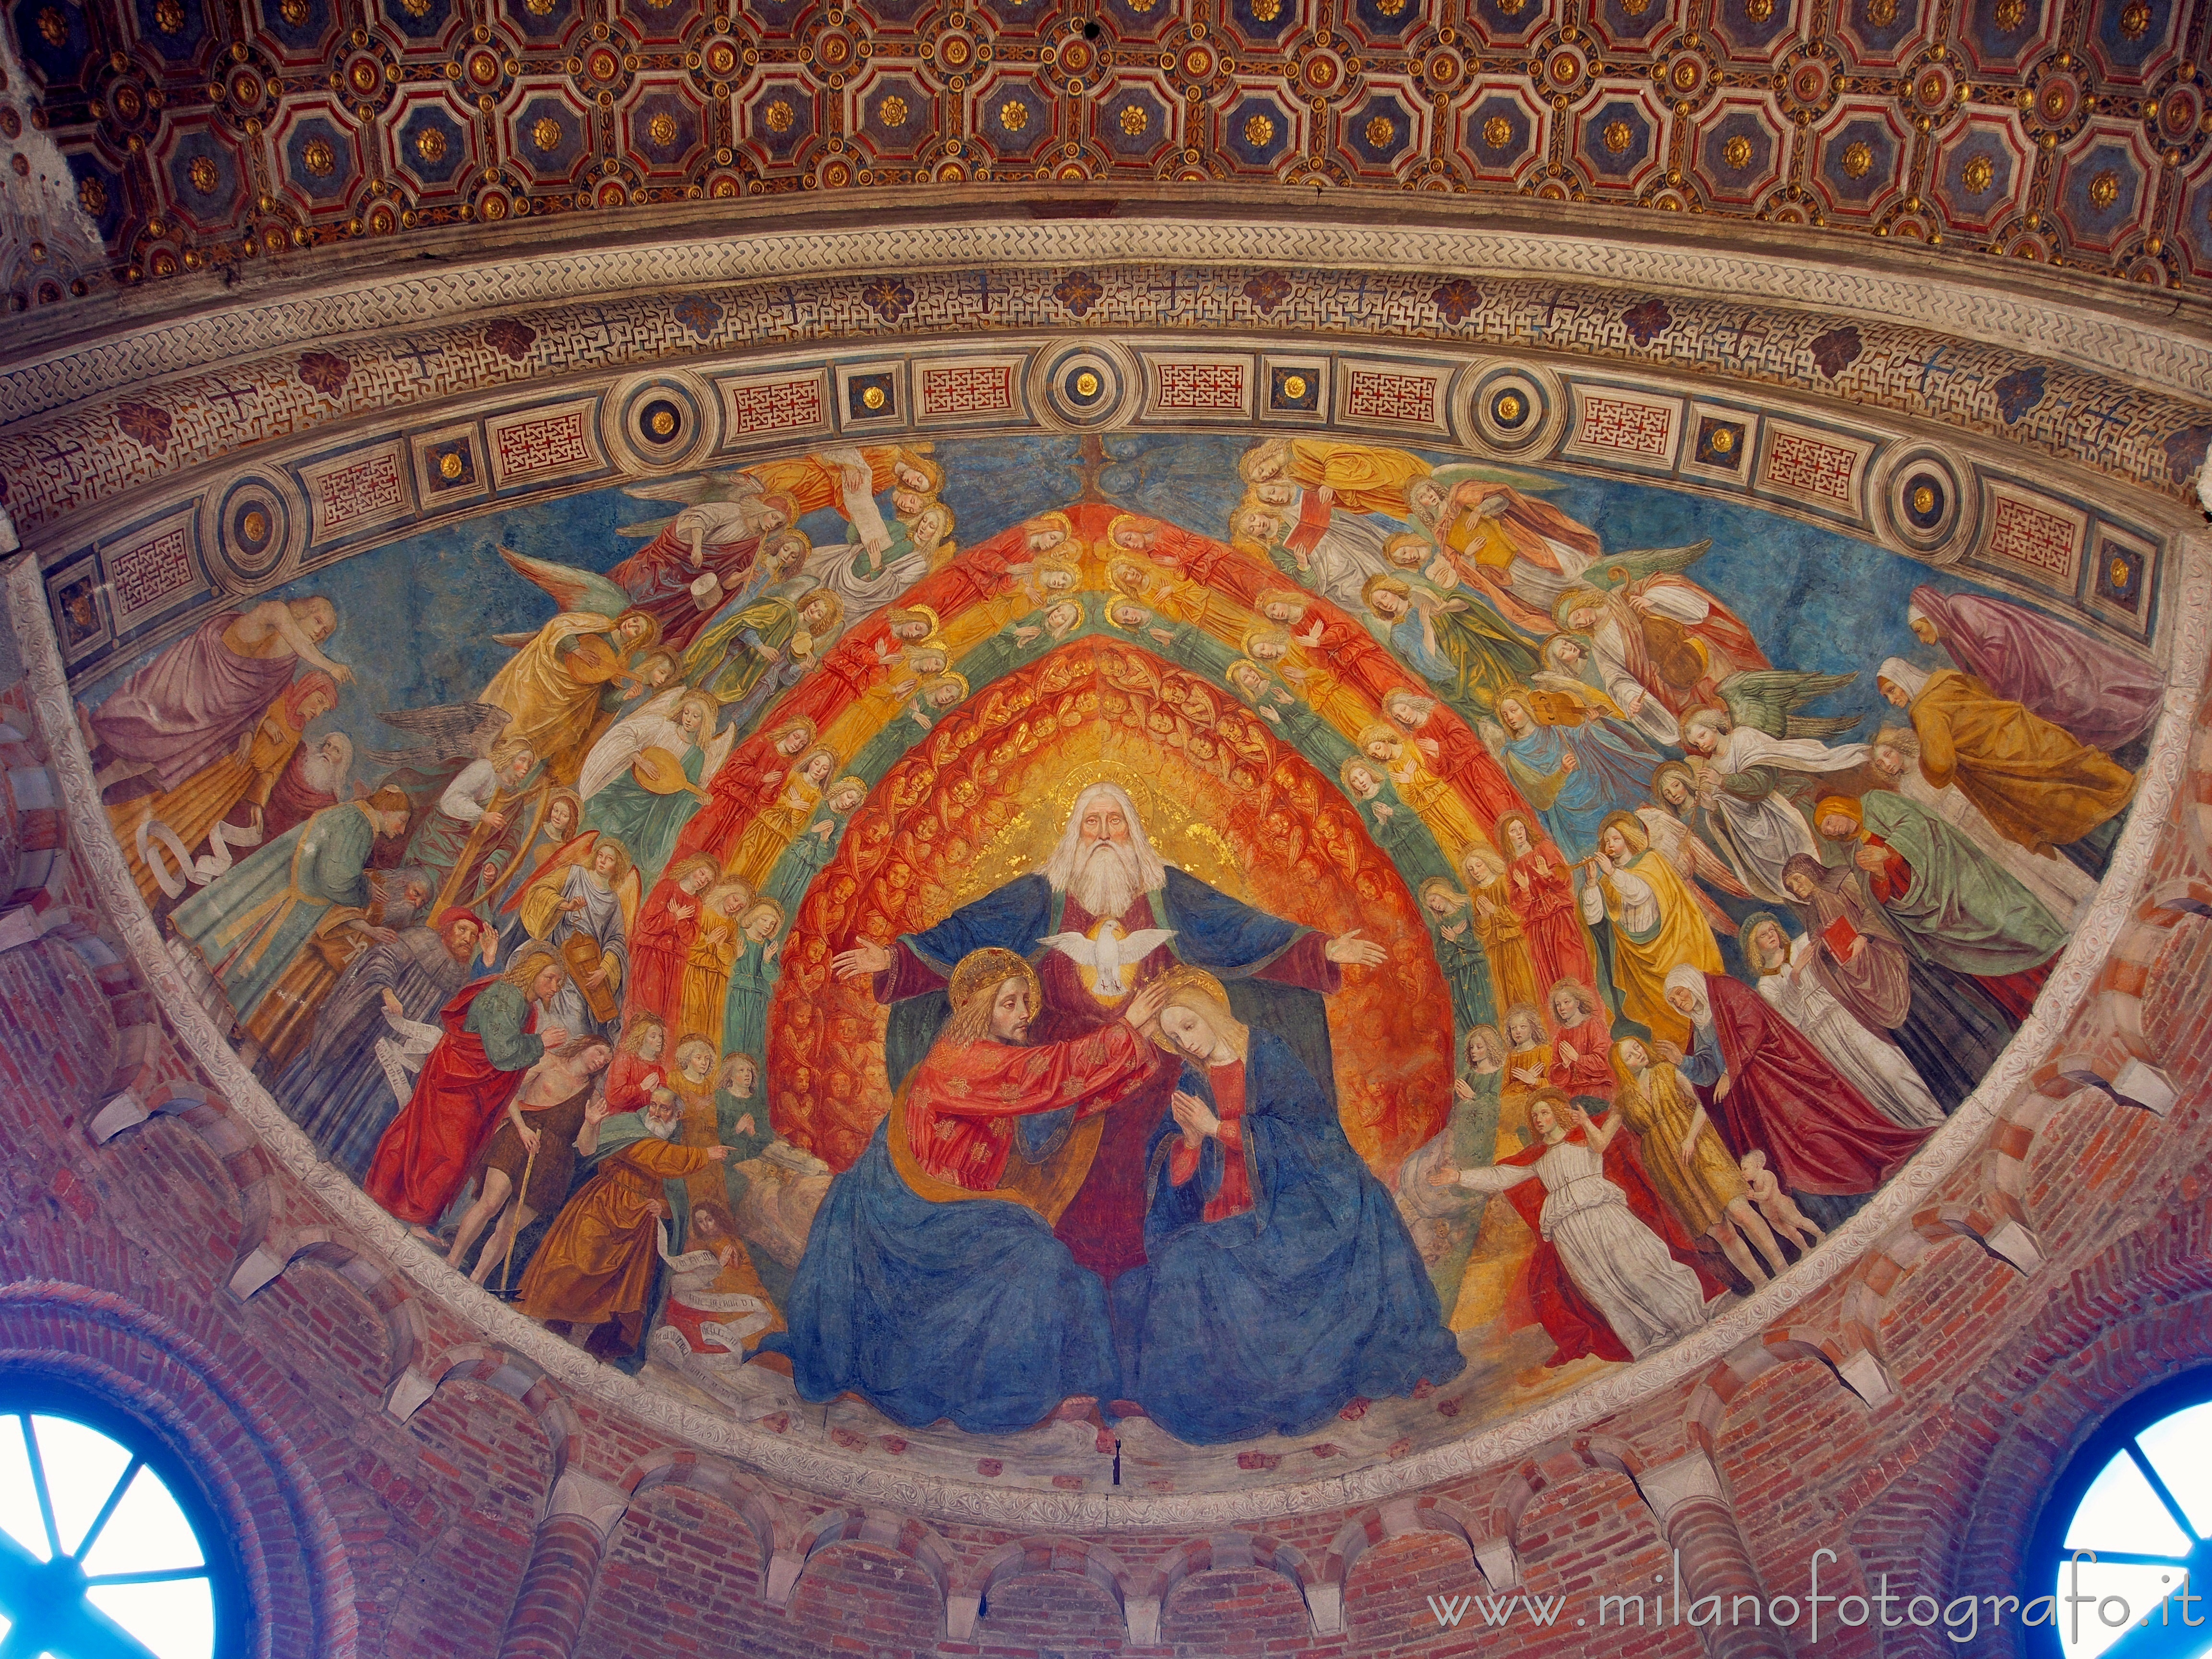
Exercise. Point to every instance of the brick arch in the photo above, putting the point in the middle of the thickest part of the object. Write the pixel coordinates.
(2138, 1313)
(405, 1325)
(508, 1373)
(1873, 1281)
(1548, 1465)
(887, 1529)
(1851, 1361)
(299, 1576)
(31, 807)
(2197, 790)
(1429, 1512)
(1221, 1551)
(132, 1079)
(1026, 1558)
(208, 1114)
(763, 1514)
(2112, 1050)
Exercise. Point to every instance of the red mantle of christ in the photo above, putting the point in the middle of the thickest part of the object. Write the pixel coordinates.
(1104, 1227)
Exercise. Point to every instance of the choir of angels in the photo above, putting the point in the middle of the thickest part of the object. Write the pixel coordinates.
(1719, 963)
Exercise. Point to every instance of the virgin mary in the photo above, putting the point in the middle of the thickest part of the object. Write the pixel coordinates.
(932, 1284)
(1282, 1285)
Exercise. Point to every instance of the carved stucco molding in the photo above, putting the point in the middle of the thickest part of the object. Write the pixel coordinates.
(820, 1470)
(2067, 330)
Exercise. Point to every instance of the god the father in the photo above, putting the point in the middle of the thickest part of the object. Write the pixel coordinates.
(1104, 886)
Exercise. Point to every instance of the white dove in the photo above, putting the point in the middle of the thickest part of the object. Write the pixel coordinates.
(1110, 951)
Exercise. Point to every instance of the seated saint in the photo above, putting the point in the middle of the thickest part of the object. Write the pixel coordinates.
(932, 1284)
(1282, 1286)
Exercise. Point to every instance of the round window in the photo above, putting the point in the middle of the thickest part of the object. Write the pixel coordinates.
(2125, 1546)
(108, 1548)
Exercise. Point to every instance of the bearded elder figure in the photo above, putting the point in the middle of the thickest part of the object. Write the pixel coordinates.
(1105, 880)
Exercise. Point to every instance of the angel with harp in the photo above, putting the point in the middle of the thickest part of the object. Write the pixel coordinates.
(642, 781)
(584, 904)
(476, 788)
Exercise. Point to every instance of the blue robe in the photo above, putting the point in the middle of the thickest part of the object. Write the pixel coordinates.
(1271, 1321)
(968, 1310)
(1613, 773)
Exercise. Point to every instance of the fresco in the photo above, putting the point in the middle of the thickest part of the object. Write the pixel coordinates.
(1230, 947)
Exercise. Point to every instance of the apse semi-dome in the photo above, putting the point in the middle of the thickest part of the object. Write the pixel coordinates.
(1062, 877)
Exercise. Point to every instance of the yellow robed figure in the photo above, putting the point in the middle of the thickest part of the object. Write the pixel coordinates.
(2034, 782)
(1657, 925)
(1362, 477)
(550, 687)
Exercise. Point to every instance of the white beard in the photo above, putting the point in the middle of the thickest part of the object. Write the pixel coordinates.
(324, 777)
(1105, 881)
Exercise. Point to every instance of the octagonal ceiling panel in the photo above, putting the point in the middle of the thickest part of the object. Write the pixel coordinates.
(1884, 33)
(1982, 172)
(1859, 156)
(1739, 147)
(434, 142)
(1258, 128)
(1194, 77)
(2107, 185)
(1505, 131)
(1013, 115)
(1619, 138)
(317, 145)
(1136, 120)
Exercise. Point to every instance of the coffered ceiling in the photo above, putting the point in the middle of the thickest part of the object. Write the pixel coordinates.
(146, 138)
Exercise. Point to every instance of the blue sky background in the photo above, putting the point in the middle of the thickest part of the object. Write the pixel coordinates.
(417, 617)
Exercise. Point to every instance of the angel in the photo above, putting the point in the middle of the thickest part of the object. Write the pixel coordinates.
(1572, 769)
(1045, 581)
(580, 667)
(936, 698)
(848, 477)
(1746, 752)
(867, 578)
(1436, 801)
(1658, 628)
(771, 643)
(810, 849)
(1267, 696)
(779, 568)
(1518, 552)
(1354, 477)
(641, 782)
(1393, 826)
(1329, 549)
(698, 557)
(907, 629)
(1677, 827)
(584, 903)
(776, 824)
(1459, 645)
(1569, 668)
